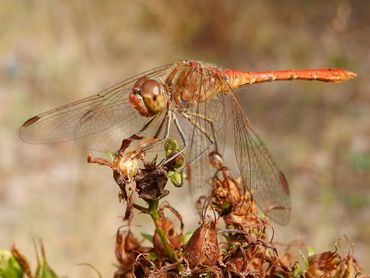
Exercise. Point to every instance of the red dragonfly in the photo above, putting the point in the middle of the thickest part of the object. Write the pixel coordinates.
(189, 100)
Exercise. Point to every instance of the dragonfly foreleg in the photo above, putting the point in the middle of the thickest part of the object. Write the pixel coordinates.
(166, 121)
(147, 124)
(183, 138)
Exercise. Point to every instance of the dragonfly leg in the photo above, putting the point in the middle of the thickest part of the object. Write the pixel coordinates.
(166, 121)
(183, 138)
(210, 137)
(147, 124)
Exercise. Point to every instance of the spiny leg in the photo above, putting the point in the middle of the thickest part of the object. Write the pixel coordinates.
(212, 137)
(166, 121)
(183, 138)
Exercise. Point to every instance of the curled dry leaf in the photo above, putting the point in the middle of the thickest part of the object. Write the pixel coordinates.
(127, 251)
(332, 264)
(202, 248)
(253, 258)
(237, 208)
(326, 263)
(126, 247)
(246, 250)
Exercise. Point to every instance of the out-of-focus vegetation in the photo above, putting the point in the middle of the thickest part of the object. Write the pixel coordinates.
(53, 52)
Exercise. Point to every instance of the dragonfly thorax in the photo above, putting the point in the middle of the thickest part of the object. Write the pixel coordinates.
(191, 83)
(148, 96)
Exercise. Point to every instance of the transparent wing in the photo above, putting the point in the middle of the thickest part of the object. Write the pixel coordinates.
(204, 126)
(204, 135)
(259, 172)
(211, 116)
(90, 121)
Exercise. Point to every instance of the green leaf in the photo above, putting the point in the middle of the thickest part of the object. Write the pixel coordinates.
(185, 237)
(153, 256)
(147, 236)
(9, 267)
(43, 269)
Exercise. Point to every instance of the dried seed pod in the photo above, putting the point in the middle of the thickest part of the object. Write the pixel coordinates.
(202, 248)
(151, 181)
(237, 261)
(238, 209)
(251, 258)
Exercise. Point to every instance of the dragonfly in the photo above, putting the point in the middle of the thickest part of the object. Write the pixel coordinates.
(189, 100)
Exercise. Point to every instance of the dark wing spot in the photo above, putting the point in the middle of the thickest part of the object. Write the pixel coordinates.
(284, 182)
(31, 121)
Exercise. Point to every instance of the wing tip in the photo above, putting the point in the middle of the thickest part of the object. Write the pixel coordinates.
(280, 215)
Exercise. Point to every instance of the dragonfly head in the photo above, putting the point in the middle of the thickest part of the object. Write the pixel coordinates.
(148, 96)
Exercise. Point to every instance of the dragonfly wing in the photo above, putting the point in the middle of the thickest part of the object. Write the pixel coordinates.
(203, 124)
(94, 122)
(259, 173)
(204, 135)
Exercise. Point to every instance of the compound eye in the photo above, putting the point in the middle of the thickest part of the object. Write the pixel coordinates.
(154, 97)
(136, 89)
(151, 89)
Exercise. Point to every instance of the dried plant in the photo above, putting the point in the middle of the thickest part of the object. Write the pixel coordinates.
(232, 239)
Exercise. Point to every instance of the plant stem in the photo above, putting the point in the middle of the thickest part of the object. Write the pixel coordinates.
(153, 211)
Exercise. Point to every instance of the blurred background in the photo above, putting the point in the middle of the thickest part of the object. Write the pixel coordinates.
(55, 52)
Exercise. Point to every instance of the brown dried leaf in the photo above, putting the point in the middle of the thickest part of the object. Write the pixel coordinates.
(326, 263)
(127, 249)
(202, 248)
